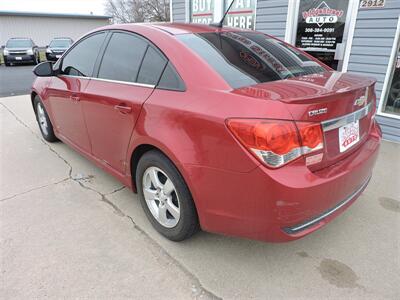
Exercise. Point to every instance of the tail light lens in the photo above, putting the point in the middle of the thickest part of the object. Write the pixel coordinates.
(276, 142)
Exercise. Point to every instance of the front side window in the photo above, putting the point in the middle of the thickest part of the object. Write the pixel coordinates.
(248, 58)
(123, 57)
(81, 59)
(19, 43)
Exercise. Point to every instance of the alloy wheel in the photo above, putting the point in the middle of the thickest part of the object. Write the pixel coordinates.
(161, 197)
(41, 114)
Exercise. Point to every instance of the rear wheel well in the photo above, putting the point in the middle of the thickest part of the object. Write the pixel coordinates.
(136, 155)
(33, 95)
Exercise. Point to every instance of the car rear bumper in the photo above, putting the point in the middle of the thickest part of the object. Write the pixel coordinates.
(283, 204)
(292, 230)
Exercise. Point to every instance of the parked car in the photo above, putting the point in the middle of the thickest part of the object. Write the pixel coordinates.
(57, 47)
(20, 50)
(230, 131)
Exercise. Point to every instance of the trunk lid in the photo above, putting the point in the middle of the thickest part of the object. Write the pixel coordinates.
(336, 100)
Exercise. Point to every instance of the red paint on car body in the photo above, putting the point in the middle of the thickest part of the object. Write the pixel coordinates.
(234, 192)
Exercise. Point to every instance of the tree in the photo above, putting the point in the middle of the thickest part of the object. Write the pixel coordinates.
(136, 11)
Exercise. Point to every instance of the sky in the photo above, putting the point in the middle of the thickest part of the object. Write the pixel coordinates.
(55, 6)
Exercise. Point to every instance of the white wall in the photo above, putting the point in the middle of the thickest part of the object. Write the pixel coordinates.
(43, 29)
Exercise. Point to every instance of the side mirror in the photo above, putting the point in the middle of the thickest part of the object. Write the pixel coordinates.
(44, 69)
(3, 46)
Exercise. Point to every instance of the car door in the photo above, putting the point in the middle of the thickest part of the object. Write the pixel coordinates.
(65, 90)
(126, 77)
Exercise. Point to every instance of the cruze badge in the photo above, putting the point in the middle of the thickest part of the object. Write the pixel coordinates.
(317, 112)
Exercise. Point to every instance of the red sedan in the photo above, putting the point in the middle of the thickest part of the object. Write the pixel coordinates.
(230, 131)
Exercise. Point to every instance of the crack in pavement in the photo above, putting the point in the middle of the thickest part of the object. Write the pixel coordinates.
(39, 138)
(116, 210)
(34, 189)
(182, 267)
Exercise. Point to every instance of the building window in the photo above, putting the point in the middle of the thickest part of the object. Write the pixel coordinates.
(392, 104)
(321, 28)
(390, 100)
(241, 15)
(202, 11)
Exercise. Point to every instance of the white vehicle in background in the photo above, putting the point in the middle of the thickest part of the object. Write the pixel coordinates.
(20, 50)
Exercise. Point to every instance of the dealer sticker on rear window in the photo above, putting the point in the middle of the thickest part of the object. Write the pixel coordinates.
(349, 135)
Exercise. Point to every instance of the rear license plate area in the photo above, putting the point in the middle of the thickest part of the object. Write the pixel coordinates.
(349, 135)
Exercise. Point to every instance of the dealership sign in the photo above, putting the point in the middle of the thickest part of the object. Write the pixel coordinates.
(320, 24)
(323, 15)
(242, 14)
(202, 11)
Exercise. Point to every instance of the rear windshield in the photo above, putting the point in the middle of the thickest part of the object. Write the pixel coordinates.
(59, 43)
(22, 43)
(248, 58)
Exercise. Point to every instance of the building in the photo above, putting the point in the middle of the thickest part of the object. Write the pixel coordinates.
(43, 27)
(349, 35)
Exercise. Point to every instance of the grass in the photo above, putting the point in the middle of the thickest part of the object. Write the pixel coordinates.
(42, 55)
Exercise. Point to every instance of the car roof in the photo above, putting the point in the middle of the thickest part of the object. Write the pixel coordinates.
(185, 28)
(20, 38)
(174, 28)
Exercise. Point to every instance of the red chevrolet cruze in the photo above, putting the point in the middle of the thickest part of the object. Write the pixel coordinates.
(230, 131)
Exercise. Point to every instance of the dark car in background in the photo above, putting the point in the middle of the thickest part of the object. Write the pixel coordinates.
(57, 47)
(20, 50)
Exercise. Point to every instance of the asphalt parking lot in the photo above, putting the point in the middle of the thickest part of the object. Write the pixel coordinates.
(16, 80)
(69, 230)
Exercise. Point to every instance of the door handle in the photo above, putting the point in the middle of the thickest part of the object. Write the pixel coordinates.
(122, 108)
(75, 98)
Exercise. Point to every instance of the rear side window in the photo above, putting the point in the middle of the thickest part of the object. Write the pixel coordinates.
(152, 66)
(170, 80)
(122, 58)
(81, 59)
(248, 58)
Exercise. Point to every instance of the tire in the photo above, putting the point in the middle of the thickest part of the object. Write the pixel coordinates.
(180, 199)
(46, 128)
(7, 64)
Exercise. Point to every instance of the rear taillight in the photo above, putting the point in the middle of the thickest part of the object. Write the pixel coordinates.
(277, 142)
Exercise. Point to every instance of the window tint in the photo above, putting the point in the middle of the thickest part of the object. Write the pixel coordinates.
(152, 66)
(60, 43)
(170, 80)
(19, 43)
(122, 58)
(247, 58)
(81, 59)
